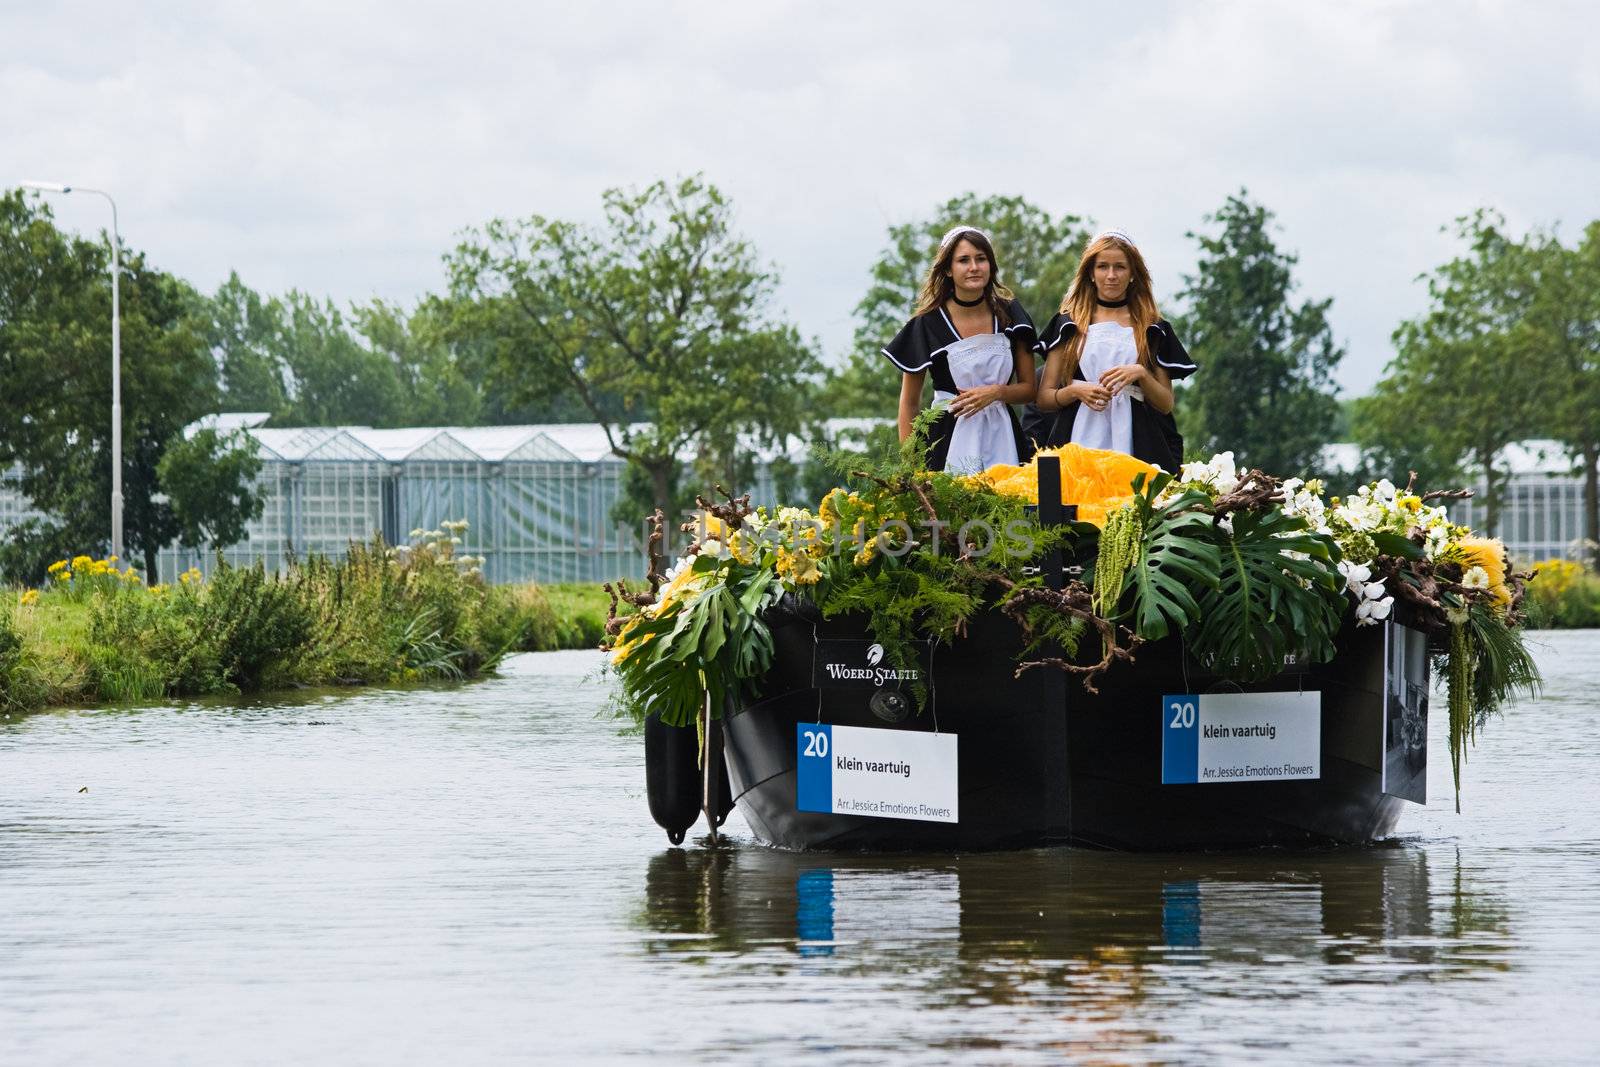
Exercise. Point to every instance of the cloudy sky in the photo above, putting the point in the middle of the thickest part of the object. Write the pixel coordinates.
(338, 148)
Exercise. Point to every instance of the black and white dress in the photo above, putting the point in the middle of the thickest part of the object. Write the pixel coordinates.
(931, 343)
(1127, 424)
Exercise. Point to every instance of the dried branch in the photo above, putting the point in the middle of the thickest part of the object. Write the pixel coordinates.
(1256, 491)
(1074, 601)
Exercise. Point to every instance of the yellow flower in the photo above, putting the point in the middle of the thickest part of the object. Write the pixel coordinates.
(828, 510)
(29, 597)
(58, 566)
(798, 567)
(80, 562)
(1556, 576)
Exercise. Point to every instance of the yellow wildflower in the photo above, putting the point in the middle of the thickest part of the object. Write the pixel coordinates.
(80, 562)
(29, 597)
(58, 566)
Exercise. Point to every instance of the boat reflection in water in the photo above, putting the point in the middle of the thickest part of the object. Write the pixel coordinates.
(1010, 921)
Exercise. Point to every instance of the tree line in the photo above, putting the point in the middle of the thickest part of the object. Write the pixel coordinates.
(658, 322)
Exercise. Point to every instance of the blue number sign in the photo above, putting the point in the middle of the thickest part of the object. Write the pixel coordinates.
(1180, 739)
(814, 788)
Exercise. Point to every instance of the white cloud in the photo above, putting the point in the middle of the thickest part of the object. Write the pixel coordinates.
(338, 148)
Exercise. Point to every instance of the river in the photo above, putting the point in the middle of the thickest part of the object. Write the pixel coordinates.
(469, 874)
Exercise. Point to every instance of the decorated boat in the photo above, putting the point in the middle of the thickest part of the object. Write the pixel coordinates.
(1081, 650)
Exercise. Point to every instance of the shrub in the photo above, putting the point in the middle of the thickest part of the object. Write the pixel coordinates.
(1563, 595)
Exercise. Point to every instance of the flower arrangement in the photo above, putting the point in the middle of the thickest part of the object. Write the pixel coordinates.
(1248, 569)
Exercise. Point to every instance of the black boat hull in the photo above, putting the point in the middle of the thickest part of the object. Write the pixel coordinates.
(1043, 761)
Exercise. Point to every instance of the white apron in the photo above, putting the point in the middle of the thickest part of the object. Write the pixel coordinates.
(1107, 345)
(979, 441)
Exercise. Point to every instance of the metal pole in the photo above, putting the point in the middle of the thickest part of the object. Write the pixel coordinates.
(116, 382)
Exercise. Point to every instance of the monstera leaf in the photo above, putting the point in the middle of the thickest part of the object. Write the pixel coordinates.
(1277, 594)
(1179, 557)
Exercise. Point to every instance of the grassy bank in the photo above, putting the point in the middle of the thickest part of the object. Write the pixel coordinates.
(380, 616)
(1563, 595)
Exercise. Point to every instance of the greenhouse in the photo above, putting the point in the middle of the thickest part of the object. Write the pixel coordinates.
(539, 499)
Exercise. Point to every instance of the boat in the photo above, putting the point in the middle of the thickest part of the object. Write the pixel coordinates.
(832, 751)
(1042, 761)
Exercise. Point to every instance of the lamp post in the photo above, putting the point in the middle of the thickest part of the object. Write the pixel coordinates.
(116, 356)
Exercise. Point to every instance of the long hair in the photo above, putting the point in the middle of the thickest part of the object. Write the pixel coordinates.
(1079, 303)
(938, 286)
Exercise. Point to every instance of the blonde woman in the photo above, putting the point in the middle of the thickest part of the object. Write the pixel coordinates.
(1110, 360)
(977, 341)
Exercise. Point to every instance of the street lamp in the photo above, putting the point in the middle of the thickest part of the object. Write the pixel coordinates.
(116, 357)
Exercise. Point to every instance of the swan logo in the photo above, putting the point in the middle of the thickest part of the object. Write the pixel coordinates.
(874, 655)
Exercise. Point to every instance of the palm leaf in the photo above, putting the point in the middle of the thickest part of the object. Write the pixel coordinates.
(1268, 605)
(1177, 555)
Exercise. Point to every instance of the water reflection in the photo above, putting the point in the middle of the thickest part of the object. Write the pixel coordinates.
(1007, 921)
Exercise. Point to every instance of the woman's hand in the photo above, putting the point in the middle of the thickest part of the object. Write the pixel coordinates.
(971, 401)
(1119, 378)
(1095, 397)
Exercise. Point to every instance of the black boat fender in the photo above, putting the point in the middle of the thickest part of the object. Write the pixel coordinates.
(672, 776)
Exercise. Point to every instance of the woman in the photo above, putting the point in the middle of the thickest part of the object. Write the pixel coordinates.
(1110, 360)
(978, 341)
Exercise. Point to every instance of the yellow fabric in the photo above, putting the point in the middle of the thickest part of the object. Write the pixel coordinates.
(1097, 480)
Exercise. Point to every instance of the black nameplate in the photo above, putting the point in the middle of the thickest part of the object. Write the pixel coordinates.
(851, 664)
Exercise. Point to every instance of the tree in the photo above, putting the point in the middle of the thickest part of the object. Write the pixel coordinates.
(210, 479)
(55, 388)
(662, 306)
(1468, 375)
(437, 389)
(244, 334)
(1265, 389)
(1038, 254)
(334, 378)
(1563, 323)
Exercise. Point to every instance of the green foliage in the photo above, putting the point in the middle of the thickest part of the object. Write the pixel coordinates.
(681, 666)
(1038, 254)
(1277, 595)
(210, 481)
(1266, 389)
(1177, 557)
(1443, 404)
(1563, 595)
(663, 305)
(55, 385)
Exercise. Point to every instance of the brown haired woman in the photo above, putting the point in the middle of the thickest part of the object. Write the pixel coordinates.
(976, 339)
(1110, 360)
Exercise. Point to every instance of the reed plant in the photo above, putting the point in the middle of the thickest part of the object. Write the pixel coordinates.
(380, 615)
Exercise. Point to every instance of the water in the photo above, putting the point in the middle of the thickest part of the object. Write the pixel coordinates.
(469, 875)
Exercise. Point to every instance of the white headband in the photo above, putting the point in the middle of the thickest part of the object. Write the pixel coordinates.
(1121, 235)
(955, 231)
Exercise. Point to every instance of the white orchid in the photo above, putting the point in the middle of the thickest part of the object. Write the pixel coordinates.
(1217, 475)
(1372, 612)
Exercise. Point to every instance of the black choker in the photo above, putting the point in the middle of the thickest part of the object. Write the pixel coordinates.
(965, 303)
(1112, 303)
